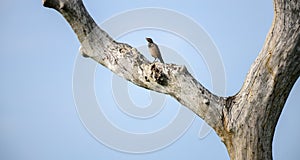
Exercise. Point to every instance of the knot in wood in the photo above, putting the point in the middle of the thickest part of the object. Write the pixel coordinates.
(158, 75)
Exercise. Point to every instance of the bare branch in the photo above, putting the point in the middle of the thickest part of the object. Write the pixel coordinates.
(245, 122)
(128, 63)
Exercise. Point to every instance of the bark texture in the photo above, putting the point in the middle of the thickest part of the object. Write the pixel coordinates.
(254, 111)
(246, 121)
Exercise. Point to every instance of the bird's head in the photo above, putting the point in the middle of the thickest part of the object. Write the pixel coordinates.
(149, 40)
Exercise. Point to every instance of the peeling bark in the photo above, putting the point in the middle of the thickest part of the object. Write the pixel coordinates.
(246, 121)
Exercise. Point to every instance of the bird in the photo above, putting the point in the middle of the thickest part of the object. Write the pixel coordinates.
(154, 50)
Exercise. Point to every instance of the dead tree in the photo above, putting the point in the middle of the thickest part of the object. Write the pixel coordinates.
(246, 121)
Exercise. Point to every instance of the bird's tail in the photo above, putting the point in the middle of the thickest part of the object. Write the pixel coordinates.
(161, 60)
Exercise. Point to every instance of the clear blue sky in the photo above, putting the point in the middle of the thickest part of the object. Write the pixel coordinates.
(38, 114)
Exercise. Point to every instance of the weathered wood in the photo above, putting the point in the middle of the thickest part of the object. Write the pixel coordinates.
(245, 122)
(253, 114)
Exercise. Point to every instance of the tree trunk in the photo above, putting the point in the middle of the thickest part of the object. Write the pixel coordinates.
(254, 111)
(246, 121)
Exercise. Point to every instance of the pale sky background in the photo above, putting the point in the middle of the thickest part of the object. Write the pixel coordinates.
(38, 115)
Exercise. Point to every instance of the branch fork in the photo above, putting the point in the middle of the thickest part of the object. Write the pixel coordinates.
(246, 121)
